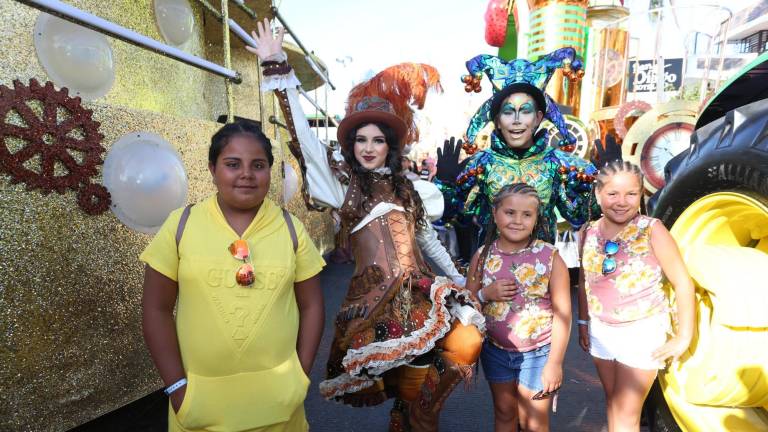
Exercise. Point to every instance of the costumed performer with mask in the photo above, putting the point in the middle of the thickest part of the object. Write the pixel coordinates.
(519, 150)
(401, 331)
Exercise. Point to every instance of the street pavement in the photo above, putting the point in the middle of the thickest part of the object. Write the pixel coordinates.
(581, 405)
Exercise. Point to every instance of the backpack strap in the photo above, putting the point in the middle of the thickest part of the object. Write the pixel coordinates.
(291, 229)
(182, 224)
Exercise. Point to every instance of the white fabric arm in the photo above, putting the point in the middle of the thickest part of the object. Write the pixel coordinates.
(323, 185)
(466, 314)
(434, 203)
(431, 246)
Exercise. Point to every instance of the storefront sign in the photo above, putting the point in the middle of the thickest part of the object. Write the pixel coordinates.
(643, 77)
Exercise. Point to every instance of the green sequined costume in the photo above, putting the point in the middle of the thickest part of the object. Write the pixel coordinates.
(562, 180)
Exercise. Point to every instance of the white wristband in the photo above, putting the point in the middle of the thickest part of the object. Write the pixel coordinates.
(480, 295)
(582, 322)
(175, 386)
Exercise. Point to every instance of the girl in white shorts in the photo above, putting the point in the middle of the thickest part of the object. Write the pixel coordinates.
(623, 312)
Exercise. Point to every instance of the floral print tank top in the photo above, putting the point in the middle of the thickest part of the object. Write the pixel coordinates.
(634, 290)
(525, 322)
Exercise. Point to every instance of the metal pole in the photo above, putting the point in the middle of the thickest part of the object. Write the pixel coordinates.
(233, 25)
(304, 93)
(227, 60)
(311, 61)
(325, 102)
(215, 12)
(109, 28)
(317, 118)
(724, 46)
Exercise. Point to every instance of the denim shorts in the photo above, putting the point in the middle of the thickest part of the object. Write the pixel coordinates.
(525, 368)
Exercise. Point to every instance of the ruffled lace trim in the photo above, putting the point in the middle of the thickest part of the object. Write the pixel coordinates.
(343, 384)
(379, 357)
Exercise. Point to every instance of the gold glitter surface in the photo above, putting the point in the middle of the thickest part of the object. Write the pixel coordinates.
(70, 284)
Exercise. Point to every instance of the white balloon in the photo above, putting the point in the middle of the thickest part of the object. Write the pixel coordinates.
(74, 57)
(290, 183)
(146, 178)
(175, 20)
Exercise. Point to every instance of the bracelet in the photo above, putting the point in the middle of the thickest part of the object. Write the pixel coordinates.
(480, 295)
(275, 68)
(582, 322)
(175, 386)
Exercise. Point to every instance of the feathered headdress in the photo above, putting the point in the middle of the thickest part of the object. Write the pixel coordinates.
(390, 97)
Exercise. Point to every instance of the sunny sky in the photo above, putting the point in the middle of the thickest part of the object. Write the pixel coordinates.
(443, 33)
(356, 38)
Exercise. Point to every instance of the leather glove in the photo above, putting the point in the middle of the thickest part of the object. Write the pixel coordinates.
(448, 165)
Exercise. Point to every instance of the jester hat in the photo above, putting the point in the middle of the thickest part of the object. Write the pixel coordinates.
(388, 98)
(520, 75)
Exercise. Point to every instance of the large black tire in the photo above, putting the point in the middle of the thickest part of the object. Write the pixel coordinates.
(657, 412)
(730, 153)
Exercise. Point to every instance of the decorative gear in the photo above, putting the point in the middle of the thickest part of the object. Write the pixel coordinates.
(62, 135)
(94, 199)
(624, 112)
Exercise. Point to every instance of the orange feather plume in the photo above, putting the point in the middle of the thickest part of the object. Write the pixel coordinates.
(403, 85)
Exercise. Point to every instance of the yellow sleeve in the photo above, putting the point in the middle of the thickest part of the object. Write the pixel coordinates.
(309, 262)
(161, 254)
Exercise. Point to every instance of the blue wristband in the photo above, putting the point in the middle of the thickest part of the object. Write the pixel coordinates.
(175, 386)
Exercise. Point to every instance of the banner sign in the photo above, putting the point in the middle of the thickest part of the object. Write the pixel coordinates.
(643, 77)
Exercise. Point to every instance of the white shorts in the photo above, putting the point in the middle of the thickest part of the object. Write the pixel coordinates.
(630, 344)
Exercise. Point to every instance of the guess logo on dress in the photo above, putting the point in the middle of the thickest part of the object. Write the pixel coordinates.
(269, 278)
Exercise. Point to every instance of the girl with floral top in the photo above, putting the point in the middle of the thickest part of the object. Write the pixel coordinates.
(624, 260)
(523, 285)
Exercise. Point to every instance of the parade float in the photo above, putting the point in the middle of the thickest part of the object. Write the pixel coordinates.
(716, 202)
(107, 112)
(663, 94)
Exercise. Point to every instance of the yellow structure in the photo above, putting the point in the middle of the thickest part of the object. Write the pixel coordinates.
(558, 24)
(721, 383)
(71, 282)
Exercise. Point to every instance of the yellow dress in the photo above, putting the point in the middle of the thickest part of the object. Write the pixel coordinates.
(238, 344)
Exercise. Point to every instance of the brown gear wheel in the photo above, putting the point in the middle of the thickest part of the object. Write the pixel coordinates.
(57, 143)
(94, 199)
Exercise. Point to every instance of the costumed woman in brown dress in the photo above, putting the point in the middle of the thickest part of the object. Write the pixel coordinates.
(402, 331)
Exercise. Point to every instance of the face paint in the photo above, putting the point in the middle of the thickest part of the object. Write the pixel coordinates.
(526, 108)
(518, 120)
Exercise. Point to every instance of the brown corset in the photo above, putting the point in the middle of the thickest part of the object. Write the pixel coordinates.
(385, 252)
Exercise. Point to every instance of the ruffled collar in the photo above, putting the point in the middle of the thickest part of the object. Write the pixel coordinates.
(539, 144)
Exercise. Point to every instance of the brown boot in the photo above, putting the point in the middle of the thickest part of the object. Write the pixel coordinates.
(443, 375)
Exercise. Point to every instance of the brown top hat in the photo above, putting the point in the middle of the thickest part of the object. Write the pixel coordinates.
(372, 109)
(390, 97)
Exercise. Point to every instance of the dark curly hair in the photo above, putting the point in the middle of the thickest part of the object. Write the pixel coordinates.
(404, 190)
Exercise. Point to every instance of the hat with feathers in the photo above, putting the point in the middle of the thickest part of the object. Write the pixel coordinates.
(389, 97)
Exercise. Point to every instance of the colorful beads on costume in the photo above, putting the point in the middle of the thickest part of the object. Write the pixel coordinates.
(575, 177)
(472, 82)
(548, 170)
(474, 172)
(469, 148)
